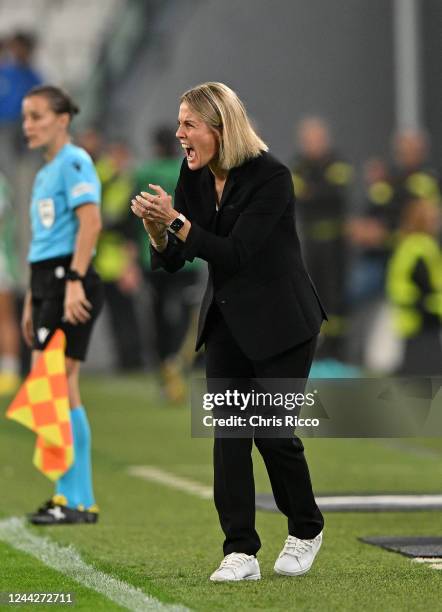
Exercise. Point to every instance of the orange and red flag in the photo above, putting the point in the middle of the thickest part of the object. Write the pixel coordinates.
(42, 405)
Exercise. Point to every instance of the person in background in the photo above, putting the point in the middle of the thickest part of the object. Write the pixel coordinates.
(19, 165)
(65, 291)
(173, 298)
(370, 234)
(370, 240)
(91, 140)
(17, 77)
(116, 259)
(412, 175)
(389, 190)
(9, 328)
(375, 233)
(321, 179)
(414, 287)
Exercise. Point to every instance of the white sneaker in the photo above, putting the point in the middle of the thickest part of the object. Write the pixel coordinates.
(237, 566)
(297, 556)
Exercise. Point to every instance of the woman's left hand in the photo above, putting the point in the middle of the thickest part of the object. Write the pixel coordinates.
(154, 208)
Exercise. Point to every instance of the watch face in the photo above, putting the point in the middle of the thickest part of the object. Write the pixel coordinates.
(176, 225)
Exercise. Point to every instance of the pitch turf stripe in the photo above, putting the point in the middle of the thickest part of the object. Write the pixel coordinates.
(66, 560)
(154, 474)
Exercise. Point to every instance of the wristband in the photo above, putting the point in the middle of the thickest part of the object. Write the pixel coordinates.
(73, 275)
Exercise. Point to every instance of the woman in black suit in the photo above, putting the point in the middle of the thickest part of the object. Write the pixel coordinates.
(260, 316)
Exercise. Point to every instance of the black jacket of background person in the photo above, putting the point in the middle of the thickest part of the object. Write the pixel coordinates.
(256, 274)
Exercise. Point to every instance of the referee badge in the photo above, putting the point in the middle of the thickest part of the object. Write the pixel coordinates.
(42, 334)
(46, 210)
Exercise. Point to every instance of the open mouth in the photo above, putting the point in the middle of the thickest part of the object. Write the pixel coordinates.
(190, 153)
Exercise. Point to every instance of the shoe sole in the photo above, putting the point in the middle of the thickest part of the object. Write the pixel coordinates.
(43, 523)
(253, 577)
(300, 573)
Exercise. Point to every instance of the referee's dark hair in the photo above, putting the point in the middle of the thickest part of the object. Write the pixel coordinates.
(59, 99)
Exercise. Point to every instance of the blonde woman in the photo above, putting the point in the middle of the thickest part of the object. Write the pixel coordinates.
(260, 316)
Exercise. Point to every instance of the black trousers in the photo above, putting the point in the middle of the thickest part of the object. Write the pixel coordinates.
(234, 487)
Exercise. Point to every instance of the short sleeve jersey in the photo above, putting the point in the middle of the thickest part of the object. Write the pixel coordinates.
(63, 184)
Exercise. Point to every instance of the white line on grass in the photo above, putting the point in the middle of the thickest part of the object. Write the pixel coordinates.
(154, 474)
(433, 562)
(415, 501)
(66, 560)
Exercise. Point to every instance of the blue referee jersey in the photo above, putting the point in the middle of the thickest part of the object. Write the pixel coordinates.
(66, 182)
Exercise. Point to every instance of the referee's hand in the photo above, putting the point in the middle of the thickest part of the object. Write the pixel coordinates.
(76, 306)
(26, 321)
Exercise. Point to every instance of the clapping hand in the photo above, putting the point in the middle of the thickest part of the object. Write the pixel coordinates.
(156, 211)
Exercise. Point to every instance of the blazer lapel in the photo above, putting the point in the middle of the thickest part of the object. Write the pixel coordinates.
(208, 211)
(231, 178)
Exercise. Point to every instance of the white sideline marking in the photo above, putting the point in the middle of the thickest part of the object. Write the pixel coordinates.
(433, 562)
(370, 500)
(66, 560)
(154, 474)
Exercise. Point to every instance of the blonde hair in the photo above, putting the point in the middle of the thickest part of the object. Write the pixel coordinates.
(221, 109)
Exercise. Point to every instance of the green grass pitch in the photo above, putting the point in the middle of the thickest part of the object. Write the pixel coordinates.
(167, 542)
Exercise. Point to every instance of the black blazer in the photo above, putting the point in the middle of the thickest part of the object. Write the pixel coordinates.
(256, 273)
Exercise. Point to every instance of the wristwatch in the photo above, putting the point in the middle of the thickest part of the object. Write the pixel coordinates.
(176, 224)
(72, 275)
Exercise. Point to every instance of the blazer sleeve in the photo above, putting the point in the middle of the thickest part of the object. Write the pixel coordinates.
(253, 227)
(172, 258)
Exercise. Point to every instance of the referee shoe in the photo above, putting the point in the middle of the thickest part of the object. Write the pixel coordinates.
(56, 512)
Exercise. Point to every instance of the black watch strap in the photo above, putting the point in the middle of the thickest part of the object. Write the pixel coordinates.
(73, 275)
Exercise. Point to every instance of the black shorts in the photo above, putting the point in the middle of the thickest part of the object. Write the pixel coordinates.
(48, 289)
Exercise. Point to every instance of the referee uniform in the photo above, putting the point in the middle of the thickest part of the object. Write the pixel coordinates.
(62, 185)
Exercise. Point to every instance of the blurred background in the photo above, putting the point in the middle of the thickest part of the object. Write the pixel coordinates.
(345, 92)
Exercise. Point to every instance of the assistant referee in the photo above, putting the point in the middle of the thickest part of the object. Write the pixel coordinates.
(65, 290)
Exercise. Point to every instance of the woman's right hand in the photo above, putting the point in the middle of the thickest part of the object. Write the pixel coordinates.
(26, 320)
(155, 229)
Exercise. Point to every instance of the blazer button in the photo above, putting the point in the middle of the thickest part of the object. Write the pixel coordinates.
(223, 302)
